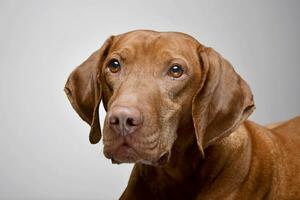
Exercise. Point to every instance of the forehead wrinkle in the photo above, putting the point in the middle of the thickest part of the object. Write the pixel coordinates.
(173, 46)
(125, 53)
(136, 40)
(169, 55)
(185, 49)
(134, 47)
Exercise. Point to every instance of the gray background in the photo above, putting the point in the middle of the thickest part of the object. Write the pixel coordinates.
(44, 148)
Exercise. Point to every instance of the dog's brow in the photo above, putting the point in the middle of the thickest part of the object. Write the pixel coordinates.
(171, 55)
(124, 53)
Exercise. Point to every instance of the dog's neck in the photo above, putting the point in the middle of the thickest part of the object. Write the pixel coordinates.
(187, 166)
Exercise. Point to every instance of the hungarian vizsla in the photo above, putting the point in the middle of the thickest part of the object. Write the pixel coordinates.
(178, 110)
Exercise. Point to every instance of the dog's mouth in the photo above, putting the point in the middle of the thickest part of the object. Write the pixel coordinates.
(126, 153)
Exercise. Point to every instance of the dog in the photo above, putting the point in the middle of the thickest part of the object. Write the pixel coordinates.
(178, 110)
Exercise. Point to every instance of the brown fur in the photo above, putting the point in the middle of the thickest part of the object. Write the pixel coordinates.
(195, 141)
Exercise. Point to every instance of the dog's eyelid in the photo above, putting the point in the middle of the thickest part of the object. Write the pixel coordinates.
(122, 54)
(113, 57)
(178, 61)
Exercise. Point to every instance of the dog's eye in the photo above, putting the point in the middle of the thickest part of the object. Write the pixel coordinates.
(114, 66)
(175, 71)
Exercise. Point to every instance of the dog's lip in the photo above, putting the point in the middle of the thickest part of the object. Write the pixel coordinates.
(127, 154)
(124, 153)
(124, 146)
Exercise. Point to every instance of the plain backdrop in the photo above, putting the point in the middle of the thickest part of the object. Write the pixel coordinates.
(44, 147)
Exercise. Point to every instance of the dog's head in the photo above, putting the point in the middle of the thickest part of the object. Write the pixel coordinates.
(151, 84)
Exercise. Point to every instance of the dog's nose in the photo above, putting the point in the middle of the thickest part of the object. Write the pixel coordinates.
(125, 120)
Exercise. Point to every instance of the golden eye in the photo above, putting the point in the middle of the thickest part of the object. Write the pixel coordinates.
(114, 66)
(175, 71)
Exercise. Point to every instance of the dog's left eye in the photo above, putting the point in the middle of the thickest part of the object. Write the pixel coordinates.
(114, 66)
(175, 71)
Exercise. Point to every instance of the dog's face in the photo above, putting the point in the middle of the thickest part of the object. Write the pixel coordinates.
(149, 80)
(153, 84)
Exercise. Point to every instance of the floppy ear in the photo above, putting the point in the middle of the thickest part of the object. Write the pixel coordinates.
(84, 90)
(222, 102)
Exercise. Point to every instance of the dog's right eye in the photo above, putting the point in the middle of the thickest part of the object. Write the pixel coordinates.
(175, 71)
(114, 66)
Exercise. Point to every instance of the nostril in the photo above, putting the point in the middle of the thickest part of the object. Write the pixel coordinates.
(114, 120)
(124, 120)
(130, 122)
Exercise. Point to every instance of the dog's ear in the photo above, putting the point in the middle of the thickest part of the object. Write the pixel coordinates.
(83, 89)
(222, 102)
